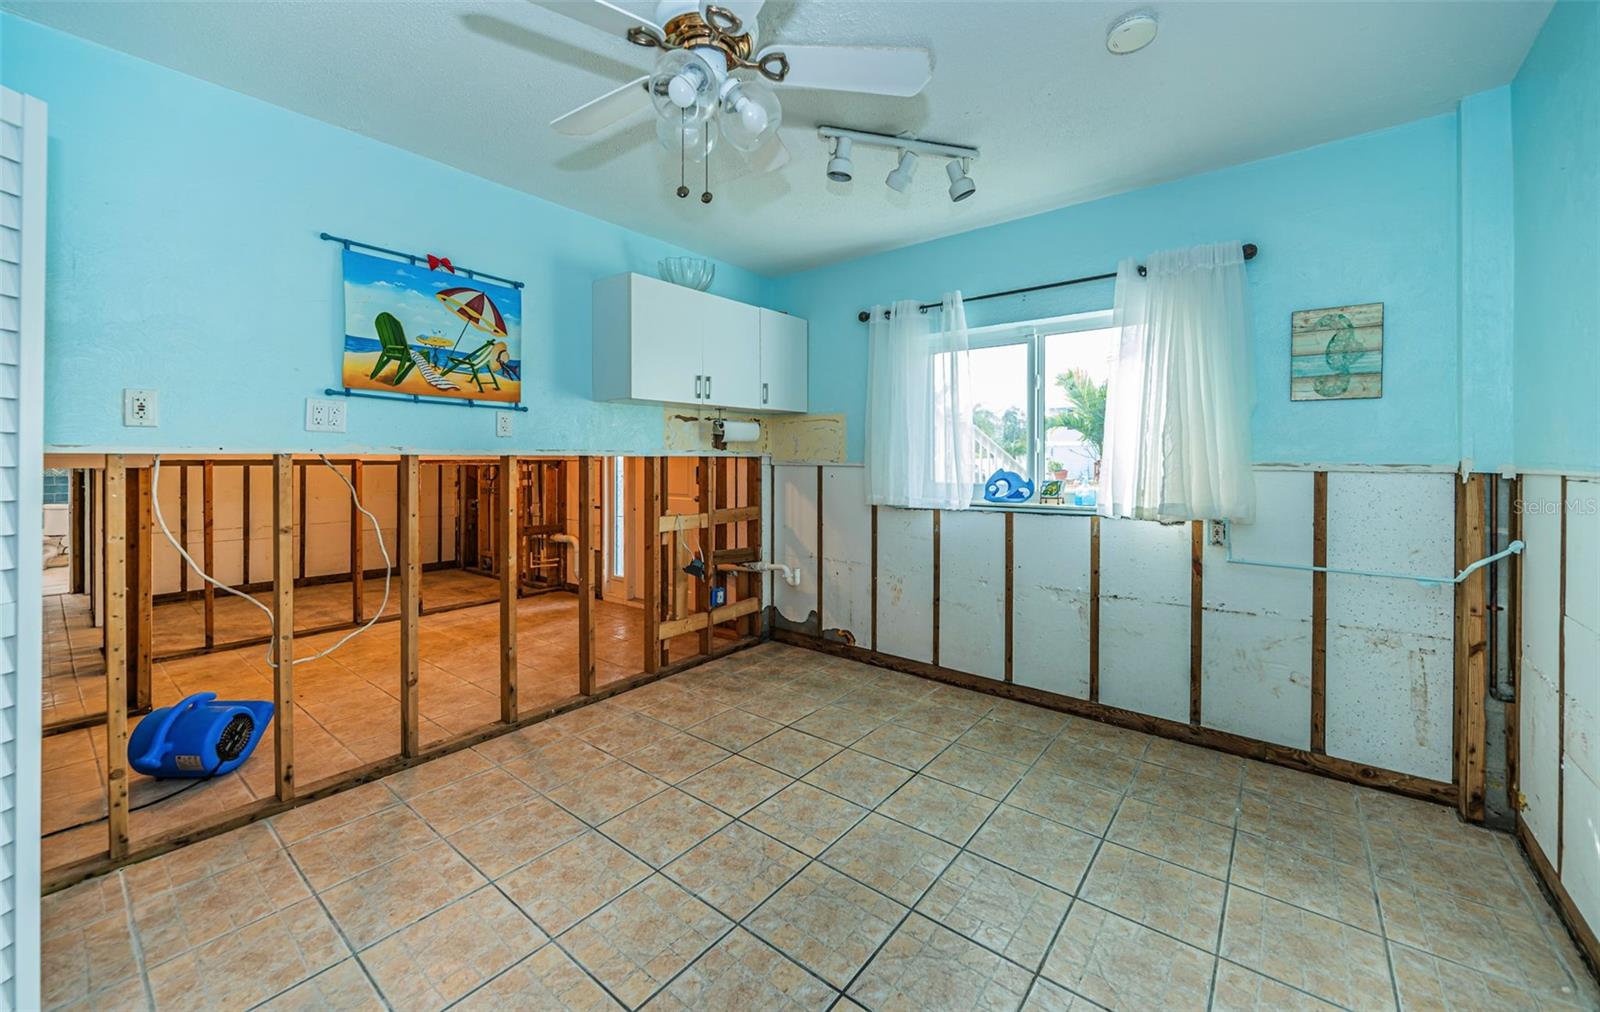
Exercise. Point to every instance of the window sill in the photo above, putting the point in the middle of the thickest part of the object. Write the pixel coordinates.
(1028, 507)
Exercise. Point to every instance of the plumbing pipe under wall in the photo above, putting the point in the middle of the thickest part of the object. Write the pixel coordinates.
(790, 576)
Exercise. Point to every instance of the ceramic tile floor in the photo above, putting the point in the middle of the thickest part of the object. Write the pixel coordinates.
(783, 829)
(346, 706)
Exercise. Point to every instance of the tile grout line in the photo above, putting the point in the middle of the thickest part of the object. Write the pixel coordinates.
(137, 945)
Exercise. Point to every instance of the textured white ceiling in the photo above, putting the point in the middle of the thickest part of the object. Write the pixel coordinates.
(1059, 119)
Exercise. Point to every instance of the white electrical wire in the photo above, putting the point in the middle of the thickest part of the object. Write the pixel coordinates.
(388, 566)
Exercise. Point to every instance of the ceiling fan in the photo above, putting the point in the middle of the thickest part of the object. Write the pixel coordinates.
(710, 78)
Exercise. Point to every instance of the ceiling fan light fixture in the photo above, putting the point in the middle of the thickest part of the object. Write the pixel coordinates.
(961, 184)
(899, 178)
(840, 168)
(750, 114)
(681, 82)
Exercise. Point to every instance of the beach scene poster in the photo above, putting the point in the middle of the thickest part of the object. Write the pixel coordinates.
(411, 330)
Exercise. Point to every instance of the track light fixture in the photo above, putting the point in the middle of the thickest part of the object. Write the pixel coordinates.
(961, 184)
(841, 169)
(899, 177)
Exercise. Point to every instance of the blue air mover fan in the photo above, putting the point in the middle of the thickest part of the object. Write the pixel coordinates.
(198, 737)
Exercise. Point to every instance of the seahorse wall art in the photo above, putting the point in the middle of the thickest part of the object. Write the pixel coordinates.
(1336, 353)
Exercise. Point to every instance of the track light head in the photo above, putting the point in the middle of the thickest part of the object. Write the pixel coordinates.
(961, 184)
(899, 177)
(840, 170)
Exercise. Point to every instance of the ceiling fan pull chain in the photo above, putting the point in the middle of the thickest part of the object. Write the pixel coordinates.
(683, 147)
(705, 196)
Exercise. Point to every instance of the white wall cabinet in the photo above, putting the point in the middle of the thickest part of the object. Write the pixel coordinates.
(656, 341)
(783, 361)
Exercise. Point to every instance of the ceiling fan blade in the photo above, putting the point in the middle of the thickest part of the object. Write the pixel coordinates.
(607, 17)
(873, 70)
(769, 157)
(612, 107)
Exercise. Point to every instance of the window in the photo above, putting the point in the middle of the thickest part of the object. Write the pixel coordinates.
(619, 517)
(1039, 405)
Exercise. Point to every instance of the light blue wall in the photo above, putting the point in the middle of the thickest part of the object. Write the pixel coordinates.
(1555, 102)
(183, 256)
(1487, 279)
(1369, 219)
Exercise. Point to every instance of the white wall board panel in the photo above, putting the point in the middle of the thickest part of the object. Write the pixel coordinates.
(1390, 700)
(794, 521)
(1583, 695)
(1390, 677)
(847, 553)
(1144, 654)
(905, 583)
(1537, 704)
(1050, 592)
(972, 592)
(1145, 561)
(1255, 673)
(1256, 631)
(1583, 553)
(1580, 869)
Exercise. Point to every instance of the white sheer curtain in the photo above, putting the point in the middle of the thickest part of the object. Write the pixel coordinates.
(919, 408)
(1177, 440)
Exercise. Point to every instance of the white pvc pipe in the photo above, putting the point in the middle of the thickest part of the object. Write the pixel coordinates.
(1515, 548)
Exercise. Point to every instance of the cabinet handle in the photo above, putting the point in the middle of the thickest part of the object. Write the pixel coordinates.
(763, 393)
(708, 388)
(699, 382)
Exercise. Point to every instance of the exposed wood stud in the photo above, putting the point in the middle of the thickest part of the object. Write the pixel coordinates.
(304, 526)
(116, 655)
(1197, 610)
(1471, 652)
(650, 549)
(358, 564)
(874, 578)
(283, 623)
(1319, 613)
(244, 521)
(78, 541)
(755, 585)
(183, 528)
(667, 573)
(708, 545)
(208, 545)
(821, 566)
(141, 598)
(509, 542)
(936, 553)
(1094, 609)
(1561, 692)
(410, 605)
(1010, 589)
(586, 521)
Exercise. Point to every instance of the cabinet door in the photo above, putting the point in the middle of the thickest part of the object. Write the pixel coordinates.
(666, 345)
(732, 334)
(783, 361)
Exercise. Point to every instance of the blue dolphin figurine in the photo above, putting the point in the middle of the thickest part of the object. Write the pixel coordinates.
(1007, 486)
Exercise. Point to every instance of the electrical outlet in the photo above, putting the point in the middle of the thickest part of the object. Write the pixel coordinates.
(140, 409)
(1219, 532)
(324, 415)
(502, 424)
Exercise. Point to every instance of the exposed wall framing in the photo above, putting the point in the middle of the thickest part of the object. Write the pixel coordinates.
(727, 526)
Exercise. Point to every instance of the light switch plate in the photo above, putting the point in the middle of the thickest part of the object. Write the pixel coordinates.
(140, 408)
(324, 415)
(502, 424)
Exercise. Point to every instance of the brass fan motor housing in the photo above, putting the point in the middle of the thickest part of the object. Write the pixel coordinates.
(720, 29)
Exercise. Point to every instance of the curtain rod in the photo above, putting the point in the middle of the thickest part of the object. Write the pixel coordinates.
(865, 315)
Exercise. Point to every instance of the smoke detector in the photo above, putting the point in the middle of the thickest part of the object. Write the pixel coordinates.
(1131, 33)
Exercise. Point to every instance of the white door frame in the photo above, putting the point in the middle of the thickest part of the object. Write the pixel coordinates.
(22, 168)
